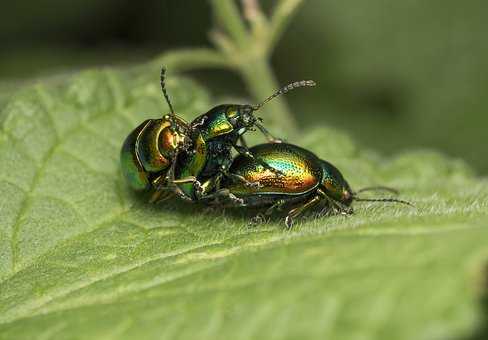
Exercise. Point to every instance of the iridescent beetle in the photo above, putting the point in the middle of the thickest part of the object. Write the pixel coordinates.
(304, 181)
(169, 155)
(214, 134)
(149, 150)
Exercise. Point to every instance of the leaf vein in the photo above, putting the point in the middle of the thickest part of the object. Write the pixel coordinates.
(27, 201)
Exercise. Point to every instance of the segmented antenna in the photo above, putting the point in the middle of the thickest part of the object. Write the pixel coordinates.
(392, 200)
(379, 188)
(284, 90)
(163, 88)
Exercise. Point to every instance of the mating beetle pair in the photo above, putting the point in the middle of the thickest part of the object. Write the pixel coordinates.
(190, 158)
(194, 161)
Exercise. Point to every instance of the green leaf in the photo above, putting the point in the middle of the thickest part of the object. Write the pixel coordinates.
(81, 256)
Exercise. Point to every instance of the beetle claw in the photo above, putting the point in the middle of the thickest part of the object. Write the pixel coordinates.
(256, 220)
(289, 221)
(253, 185)
(344, 211)
(235, 200)
(198, 188)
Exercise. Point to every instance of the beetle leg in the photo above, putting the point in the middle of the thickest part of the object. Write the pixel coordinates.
(260, 218)
(211, 191)
(338, 206)
(159, 189)
(171, 181)
(267, 134)
(158, 196)
(243, 141)
(224, 193)
(158, 182)
(243, 150)
(189, 179)
(202, 189)
(277, 206)
(295, 212)
(343, 209)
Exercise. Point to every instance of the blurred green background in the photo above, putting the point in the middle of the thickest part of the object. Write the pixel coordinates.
(394, 74)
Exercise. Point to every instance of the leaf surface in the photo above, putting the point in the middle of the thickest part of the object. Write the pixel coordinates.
(81, 256)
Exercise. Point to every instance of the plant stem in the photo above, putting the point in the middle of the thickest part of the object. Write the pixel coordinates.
(193, 58)
(246, 51)
(227, 14)
(250, 55)
(282, 14)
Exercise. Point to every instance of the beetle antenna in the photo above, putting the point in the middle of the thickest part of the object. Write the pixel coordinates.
(392, 200)
(379, 188)
(163, 88)
(284, 90)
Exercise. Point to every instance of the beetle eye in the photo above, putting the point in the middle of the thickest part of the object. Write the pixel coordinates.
(248, 119)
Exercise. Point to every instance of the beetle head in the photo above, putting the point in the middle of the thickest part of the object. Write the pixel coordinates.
(335, 186)
(176, 135)
(242, 116)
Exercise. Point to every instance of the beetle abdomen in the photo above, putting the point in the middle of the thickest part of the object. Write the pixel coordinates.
(298, 170)
(148, 150)
(131, 166)
(148, 143)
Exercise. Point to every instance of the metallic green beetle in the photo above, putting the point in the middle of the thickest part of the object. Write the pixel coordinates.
(151, 148)
(170, 156)
(214, 135)
(303, 181)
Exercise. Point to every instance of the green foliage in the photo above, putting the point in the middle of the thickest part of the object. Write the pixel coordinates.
(83, 257)
(403, 73)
